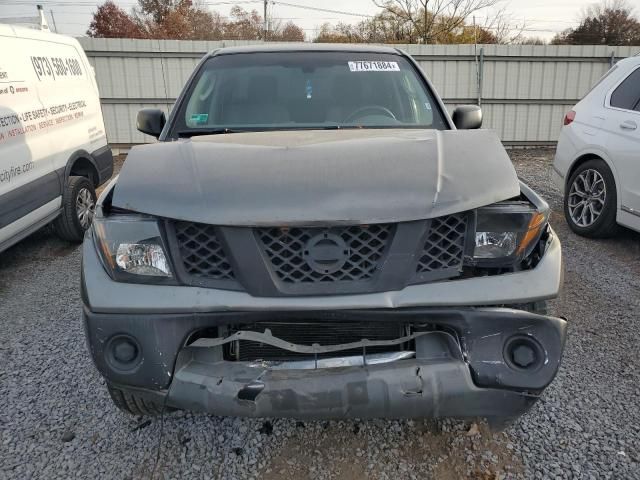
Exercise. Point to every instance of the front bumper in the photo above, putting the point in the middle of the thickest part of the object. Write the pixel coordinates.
(557, 179)
(405, 389)
(459, 370)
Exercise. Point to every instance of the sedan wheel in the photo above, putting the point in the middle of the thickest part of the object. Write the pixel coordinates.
(587, 198)
(590, 201)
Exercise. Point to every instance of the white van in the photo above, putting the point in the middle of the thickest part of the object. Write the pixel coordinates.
(53, 147)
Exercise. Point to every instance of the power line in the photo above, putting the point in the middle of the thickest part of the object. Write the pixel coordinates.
(540, 20)
(60, 3)
(304, 18)
(67, 5)
(318, 9)
(74, 23)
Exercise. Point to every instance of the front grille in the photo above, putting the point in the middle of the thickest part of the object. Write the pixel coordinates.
(308, 333)
(290, 258)
(332, 260)
(444, 247)
(201, 252)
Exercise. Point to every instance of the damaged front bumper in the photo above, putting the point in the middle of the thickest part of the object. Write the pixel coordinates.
(460, 363)
(406, 389)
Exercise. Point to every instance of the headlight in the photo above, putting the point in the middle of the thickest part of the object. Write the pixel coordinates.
(495, 244)
(507, 232)
(132, 249)
(142, 259)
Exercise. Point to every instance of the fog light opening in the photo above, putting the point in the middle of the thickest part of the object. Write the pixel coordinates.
(524, 353)
(123, 353)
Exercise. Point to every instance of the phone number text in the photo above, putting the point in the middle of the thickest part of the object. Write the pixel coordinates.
(54, 67)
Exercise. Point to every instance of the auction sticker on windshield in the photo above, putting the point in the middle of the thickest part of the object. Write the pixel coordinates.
(372, 66)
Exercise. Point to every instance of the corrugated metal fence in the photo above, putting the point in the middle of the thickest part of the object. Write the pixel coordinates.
(524, 89)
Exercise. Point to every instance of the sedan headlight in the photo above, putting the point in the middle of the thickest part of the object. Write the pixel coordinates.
(507, 232)
(132, 249)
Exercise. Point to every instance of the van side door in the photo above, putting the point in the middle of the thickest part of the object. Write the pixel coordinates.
(29, 185)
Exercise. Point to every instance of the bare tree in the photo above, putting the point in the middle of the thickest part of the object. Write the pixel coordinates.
(392, 26)
(504, 26)
(432, 18)
(289, 32)
(531, 41)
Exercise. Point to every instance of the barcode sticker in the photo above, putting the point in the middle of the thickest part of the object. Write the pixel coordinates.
(373, 66)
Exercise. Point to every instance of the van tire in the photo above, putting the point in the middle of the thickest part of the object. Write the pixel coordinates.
(78, 193)
(134, 404)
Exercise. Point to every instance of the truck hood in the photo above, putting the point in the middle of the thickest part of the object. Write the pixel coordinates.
(308, 177)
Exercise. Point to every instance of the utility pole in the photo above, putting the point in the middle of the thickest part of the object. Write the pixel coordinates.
(426, 13)
(53, 19)
(475, 57)
(266, 23)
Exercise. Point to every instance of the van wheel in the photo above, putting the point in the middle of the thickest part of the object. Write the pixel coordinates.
(590, 200)
(78, 208)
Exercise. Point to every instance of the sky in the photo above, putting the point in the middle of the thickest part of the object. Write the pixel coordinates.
(543, 18)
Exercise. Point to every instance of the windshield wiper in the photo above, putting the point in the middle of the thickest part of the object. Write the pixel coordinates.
(209, 131)
(222, 130)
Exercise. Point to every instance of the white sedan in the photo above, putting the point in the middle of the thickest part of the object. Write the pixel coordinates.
(597, 163)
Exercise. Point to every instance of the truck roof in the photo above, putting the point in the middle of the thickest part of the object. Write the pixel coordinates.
(21, 31)
(306, 47)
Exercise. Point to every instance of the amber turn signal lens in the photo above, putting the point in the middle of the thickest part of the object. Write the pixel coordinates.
(537, 222)
(100, 237)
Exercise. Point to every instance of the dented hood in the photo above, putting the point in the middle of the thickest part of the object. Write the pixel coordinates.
(307, 177)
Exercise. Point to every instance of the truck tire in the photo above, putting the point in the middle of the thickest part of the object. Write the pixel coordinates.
(78, 207)
(541, 307)
(591, 201)
(135, 404)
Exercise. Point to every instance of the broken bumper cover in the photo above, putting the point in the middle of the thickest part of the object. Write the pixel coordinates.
(459, 370)
(403, 389)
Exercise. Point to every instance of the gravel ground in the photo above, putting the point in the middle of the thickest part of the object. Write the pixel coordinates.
(57, 420)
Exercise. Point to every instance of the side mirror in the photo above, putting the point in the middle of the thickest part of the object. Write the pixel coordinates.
(467, 117)
(151, 121)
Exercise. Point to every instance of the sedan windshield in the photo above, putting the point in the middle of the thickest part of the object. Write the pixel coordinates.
(289, 90)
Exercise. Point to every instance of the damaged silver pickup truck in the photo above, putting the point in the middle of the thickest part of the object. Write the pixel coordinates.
(315, 237)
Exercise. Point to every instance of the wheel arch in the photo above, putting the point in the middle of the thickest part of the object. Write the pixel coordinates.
(585, 157)
(82, 164)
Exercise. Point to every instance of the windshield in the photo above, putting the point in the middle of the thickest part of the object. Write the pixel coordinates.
(288, 90)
